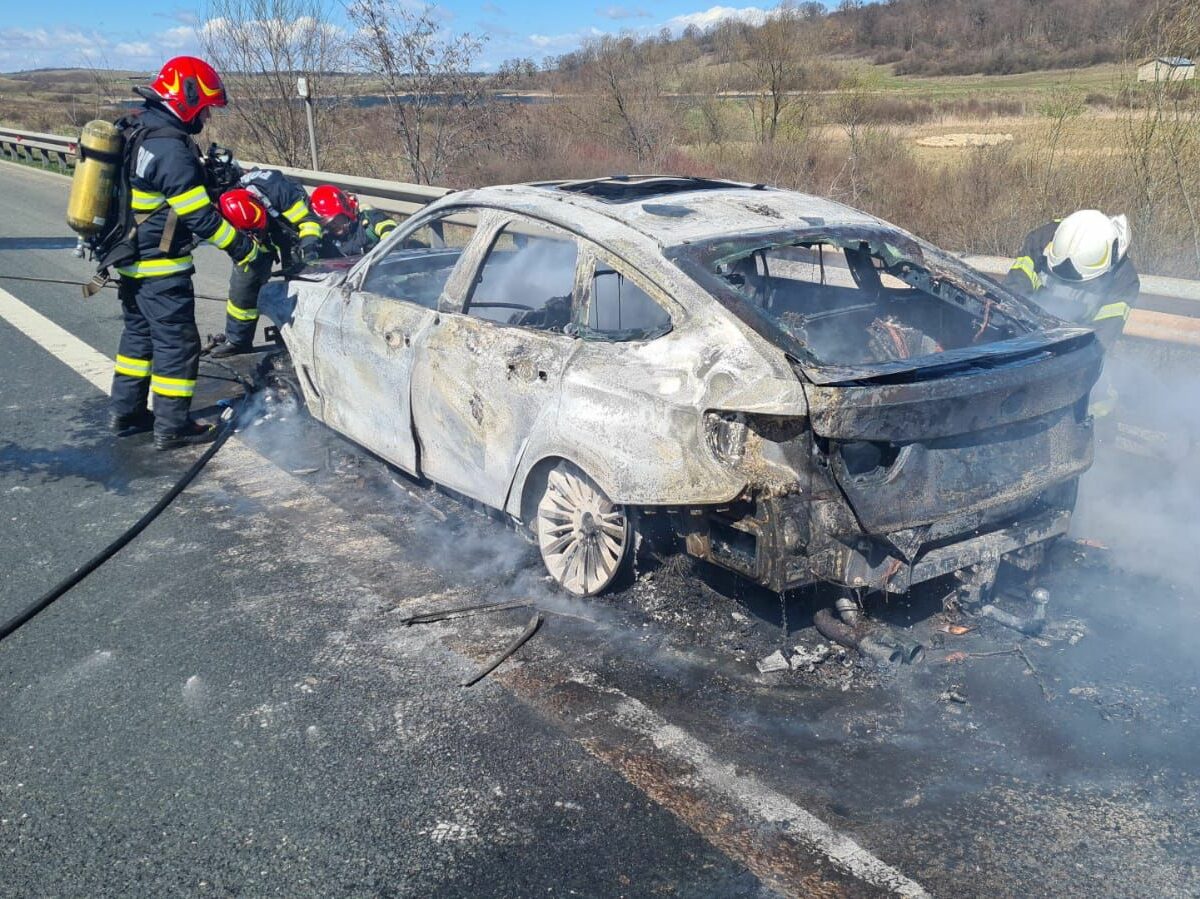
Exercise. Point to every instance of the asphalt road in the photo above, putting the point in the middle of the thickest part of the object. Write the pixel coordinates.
(231, 707)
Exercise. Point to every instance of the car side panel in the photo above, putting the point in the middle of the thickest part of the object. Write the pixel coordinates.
(293, 307)
(479, 391)
(632, 416)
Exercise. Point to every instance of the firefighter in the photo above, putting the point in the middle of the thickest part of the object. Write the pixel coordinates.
(1080, 270)
(350, 230)
(159, 350)
(290, 232)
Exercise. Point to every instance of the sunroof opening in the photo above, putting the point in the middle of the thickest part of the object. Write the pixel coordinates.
(628, 189)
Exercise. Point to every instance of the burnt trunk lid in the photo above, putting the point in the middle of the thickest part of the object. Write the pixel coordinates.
(918, 441)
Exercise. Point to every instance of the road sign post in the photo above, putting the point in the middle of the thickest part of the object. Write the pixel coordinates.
(306, 96)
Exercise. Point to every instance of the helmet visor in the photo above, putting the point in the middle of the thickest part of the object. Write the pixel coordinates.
(1067, 271)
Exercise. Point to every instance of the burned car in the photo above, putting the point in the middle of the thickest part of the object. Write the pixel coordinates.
(800, 391)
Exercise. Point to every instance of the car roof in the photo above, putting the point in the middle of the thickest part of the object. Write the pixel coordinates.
(670, 210)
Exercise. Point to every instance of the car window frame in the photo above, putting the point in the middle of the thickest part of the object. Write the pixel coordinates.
(465, 277)
(594, 253)
(358, 273)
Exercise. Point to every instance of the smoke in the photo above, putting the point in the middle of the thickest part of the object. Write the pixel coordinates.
(1142, 497)
(538, 271)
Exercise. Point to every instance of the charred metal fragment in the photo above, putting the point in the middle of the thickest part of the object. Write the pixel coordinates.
(463, 612)
(1031, 626)
(520, 640)
(875, 645)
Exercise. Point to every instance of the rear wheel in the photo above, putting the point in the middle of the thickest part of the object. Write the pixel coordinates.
(584, 538)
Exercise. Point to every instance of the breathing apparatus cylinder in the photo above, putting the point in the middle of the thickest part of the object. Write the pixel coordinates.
(92, 183)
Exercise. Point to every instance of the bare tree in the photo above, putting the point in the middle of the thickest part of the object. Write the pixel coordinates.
(715, 81)
(442, 112)
(851, 110)
(775, 57)
(107, 84)
(632, 80)
(1162, 127)
(260, 47)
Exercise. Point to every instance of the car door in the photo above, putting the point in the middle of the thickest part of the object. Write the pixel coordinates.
(365, 337)
(489, 371)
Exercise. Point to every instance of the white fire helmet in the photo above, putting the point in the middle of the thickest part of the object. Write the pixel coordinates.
(1087, 244)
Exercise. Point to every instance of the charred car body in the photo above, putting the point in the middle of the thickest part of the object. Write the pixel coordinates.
(803, 391)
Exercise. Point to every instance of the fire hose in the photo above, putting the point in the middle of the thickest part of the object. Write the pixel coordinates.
(278, 273)
(228, 425)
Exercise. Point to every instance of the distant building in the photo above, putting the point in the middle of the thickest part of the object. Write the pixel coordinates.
(1166, 68)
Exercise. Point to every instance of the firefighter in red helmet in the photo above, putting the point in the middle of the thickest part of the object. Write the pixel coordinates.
(350, 229)
(247, 212)
(167, 207)
(291, 235)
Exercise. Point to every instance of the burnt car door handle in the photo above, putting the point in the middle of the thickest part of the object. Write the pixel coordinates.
(525, 371)
(396, 338)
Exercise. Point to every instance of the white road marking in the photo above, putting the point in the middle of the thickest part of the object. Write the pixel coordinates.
(760, 802)
(755, 798)
(77, 355)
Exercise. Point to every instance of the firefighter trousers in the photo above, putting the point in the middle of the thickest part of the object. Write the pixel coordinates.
(159, 350)
(241, 312)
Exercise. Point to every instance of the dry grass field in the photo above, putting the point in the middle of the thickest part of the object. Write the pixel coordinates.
(971, 162)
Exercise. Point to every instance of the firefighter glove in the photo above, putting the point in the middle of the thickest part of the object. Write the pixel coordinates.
(244, 258)
(310, 250)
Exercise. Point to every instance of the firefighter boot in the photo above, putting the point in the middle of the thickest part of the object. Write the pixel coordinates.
(193, 434)
(229, 348)
(132, 423)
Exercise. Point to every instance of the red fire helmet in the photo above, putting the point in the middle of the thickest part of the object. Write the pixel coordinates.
(243, 210)
(188, 86)
(328, 202)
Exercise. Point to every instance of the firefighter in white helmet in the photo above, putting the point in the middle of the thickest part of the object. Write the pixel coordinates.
(1080, 270)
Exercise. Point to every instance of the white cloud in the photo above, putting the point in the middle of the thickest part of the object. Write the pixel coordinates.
(622, 12)
(568, 41)
(19, 39)
(178, 39)
(714, 15)
(55, 47)
(139, 49)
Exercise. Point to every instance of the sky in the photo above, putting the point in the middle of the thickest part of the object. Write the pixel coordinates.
(125, 34)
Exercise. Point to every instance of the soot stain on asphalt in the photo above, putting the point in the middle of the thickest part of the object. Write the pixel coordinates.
(1090, 710)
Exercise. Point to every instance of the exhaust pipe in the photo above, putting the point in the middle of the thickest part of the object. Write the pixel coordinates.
(882, 651)
(879, 647)
(913, 653)
(1031, 626)
(847, 609)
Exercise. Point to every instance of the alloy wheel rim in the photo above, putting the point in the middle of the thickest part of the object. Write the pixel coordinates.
(582, 535)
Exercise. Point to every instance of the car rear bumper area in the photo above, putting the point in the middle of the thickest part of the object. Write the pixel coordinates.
(871, 566)
(766, 543)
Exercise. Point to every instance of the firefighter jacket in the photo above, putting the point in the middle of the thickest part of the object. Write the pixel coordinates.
(1103, 303)
(291, 220)
(372, 226)
(170, 203)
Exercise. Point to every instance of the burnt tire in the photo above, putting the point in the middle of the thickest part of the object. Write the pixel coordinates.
(585, 539)
(278, 375)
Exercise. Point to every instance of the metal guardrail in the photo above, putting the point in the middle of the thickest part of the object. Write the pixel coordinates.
(31, 146)
(393, 196)
(1180, 326)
